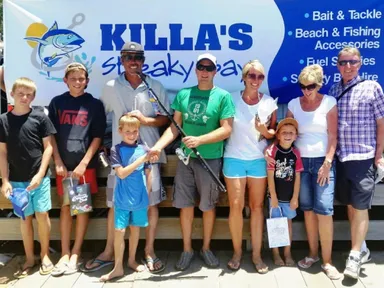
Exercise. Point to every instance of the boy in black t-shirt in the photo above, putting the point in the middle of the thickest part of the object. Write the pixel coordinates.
(284, 180)
(80, 123)
(25, 151)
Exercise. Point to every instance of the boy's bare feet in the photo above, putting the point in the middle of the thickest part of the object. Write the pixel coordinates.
(277, 259)
(116, 272)
(289, 260)
(136, 266)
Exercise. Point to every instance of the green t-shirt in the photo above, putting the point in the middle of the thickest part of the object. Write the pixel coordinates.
(202, 111)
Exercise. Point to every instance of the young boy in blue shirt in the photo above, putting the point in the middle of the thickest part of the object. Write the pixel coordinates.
(130, 194)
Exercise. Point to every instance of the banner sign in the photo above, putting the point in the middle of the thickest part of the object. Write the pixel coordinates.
(42, 37)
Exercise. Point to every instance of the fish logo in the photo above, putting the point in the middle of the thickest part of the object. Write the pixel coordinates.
(53, 48)
(55, 44)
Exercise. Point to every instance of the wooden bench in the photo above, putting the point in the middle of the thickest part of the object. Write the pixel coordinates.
(169, 227)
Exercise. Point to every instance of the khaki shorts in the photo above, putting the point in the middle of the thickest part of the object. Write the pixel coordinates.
(193, 182)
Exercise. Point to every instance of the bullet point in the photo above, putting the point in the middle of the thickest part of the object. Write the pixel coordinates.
(285, 79)
(306, 15)
(290, 33)
(301, 61)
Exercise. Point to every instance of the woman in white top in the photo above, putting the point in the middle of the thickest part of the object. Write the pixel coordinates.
(244, 163)
(317, 117)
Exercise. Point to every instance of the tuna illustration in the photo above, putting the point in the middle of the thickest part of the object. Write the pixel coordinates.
(55, 44)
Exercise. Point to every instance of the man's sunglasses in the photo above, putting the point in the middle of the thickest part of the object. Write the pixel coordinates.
(134, 57)
(351, 62)
(208, 68)
(309, 87)
(253, 76)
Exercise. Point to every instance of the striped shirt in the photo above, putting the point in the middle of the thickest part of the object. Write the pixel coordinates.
(358, 111)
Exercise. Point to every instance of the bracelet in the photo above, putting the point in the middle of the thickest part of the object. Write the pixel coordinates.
(327, 163)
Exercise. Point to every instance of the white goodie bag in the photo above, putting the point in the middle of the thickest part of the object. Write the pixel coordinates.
(278, 233)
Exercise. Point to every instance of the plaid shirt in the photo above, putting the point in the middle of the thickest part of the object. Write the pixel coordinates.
(358, 111)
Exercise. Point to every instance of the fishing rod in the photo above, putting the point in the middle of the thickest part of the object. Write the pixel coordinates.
(181, 131)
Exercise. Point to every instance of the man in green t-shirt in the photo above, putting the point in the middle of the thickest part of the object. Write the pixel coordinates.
(205, 112)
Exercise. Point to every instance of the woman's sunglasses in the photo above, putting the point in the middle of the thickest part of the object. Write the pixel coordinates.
(253, 76)
(309, 87)
(208, 68)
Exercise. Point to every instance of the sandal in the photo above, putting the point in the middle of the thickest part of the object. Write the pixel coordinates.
(46, 269)
(261, 268)
(185, 261)
(233, 265)
(209, 258)
(148, 260)
(307, 262)
(331, 272)
(22, 273)
(100, 264)
(59, 269)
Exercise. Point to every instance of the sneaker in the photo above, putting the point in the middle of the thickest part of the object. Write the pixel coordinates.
(365, 256)
(352, 267)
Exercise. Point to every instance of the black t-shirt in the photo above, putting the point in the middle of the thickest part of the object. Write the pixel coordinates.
(24, 138)
(287, 163)
(78, 120)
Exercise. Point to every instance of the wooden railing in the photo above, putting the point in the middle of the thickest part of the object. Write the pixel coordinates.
(169, 227)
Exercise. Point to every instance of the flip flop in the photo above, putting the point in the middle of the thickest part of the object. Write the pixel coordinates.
(101, 263)
(46, 269)
(261, 268)
(72, 269)
(147, 260)
(234, 265)
(59, 269)
(307, 262)
(22, 273)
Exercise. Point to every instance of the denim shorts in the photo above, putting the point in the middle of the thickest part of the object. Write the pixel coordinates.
(238, 168)
(125, 218)
(285, 210)
(40, 198)
(314, 197)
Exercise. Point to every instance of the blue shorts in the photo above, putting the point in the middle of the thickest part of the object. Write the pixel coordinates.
(237, 168)
(314, 197)
(285, 209)
(125, 218)
(40, 198)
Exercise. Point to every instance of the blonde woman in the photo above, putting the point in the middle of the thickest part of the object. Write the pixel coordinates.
(316, 114)
(244, 163)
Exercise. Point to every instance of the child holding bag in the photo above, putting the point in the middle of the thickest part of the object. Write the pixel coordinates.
(284, 181)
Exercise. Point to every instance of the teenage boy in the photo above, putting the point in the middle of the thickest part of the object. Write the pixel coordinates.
(25, 151)
(80, 123)
(131, 199)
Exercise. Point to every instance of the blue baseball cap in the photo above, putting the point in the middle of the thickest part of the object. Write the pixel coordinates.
(20, 201)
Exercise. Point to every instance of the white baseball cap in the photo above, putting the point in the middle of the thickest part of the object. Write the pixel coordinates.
(207, 56)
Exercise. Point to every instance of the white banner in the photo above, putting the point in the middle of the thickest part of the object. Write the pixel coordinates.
(42, 37)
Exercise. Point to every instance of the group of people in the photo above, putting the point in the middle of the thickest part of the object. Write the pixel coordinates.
(327, 146)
